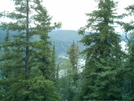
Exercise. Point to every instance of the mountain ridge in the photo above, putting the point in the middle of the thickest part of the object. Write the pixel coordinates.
(62, 39)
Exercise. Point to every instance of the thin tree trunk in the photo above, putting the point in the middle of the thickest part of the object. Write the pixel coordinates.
(27, 40)
(27, 47)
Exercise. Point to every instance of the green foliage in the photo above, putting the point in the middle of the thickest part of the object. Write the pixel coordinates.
(127, 90)
(103, 55)
(41, 89)
(28, 69)
(27, 66)
(73, 54)
(66, 87)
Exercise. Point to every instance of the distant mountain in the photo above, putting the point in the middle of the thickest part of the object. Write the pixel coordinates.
(62, 39)
(65, 35)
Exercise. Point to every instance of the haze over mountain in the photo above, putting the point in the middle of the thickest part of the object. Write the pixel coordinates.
(62, 39)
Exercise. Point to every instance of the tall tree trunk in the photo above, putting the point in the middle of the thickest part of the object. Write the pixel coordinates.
(27, 47)
(27, 40)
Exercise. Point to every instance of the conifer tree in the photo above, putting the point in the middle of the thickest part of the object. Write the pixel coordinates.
(66, 88)
(30, 66)
(73, 53)
(53, 64)
(130, 76)
(128, 30)
(73, 57)
(7, 62)
(103, 54)
(44, 52)
(19, 68)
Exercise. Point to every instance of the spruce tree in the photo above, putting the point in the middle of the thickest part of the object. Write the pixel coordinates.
(5, 50)
(128, 30)
(53, 64)
(130, 64)
(43, 54)
(73, 53)
(102, 54)
(30, 61)
(66, 87)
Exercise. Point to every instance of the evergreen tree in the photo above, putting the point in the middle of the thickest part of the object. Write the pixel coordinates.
(66, 87)
(128, 30)
(43, 54)
(30, 61)
(53, 64)
(73, 53)
(3, 71)
(130, 76)
(103, 55)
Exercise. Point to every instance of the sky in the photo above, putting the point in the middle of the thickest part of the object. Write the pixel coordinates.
(71, 13)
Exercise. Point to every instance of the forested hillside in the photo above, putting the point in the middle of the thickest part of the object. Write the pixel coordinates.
(93, 64)
(62, 39)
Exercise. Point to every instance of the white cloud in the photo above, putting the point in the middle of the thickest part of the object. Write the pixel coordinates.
(70, 12)
(6, 5)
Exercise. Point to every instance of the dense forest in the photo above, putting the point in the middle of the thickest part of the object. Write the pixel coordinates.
(30, 70)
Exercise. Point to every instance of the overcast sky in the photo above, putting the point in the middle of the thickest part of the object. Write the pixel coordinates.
(71, 13)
